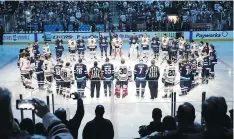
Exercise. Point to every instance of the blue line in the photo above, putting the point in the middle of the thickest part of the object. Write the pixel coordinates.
(4, 65)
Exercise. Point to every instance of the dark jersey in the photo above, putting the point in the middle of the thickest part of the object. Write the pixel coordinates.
(193, 63)
(133, 40)
(38, 66)
(103, 41)
(36, 49)
(57, 72)
(153, 73)
(140, 71)
(174, 46)
(95, 73)
(213, 57)
(206, 61)
(80, 44)
(80, 72)
(185, 70)
(187, 47)
(59, 45)
(108, 71)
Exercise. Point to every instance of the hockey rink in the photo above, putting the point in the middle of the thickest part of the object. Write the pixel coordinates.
(131, 112)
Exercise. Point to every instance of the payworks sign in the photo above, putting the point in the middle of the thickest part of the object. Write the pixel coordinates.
(18, 38)
(213, 35)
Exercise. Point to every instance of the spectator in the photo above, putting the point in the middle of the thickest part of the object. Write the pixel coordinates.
(213, 111)
(40, 129)
(99, 127)
(9, 129)
(155, 125)
(27, 125)
(73, 124)
(169, 123)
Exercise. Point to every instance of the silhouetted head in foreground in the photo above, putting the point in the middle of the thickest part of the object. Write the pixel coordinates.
(157, 114)
(61, 114)
(99, 111)
(186, 114)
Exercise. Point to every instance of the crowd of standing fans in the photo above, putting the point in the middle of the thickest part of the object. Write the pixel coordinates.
(60, 12)
(155, 14)
(218, 125)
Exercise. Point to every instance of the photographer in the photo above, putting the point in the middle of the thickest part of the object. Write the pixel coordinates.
(74, 123)
(9, 129)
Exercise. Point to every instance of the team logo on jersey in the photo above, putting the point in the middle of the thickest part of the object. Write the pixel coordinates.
(103, 40)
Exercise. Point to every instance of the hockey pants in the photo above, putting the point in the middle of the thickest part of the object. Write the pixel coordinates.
(153, 87)
(93, 85)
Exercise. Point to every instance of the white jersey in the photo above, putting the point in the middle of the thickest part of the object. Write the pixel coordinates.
(123, 72)
(91, 43)
(145, 41)
(31, 51)
(181, 44)
(194, 47)
(117, 43)
(66, 74)
(24, 66)
(165, 40)
(72, 44)
(46, 50)
(47, 68)
(169, 73)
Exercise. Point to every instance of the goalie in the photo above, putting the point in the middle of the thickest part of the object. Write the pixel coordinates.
(117, 46)
(72, 48)
(145, 47)
(92, 46)
(123, 75)
(133, 41)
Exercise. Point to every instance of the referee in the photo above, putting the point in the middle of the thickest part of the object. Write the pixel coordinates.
(152, 77)
(95, 76)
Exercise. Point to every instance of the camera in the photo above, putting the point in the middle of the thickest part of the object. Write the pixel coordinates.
(24, 104)
(75, 95)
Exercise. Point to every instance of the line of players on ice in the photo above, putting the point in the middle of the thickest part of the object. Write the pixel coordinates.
(193, 61)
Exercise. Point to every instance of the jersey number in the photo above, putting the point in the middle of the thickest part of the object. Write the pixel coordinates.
(123, 71)
(57, 71)
(79, 70)
(108, 70)
(171, 73)
(65, 74)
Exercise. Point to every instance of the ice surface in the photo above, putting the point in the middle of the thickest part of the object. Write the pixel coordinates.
(129, 113)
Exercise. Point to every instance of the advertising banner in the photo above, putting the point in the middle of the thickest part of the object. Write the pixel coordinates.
(24, 38)
(213, 35)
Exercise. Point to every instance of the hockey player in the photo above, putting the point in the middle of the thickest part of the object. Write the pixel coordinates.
(181, 46)
(164, 43)
(36, 51)
(81, 76)
(57, 77)
(25, 71)
(185, 71)
(123, 74)
(117, 46)
(72, 48)
(200, 48)
(133, 42)
(213, 60)
(140, 71)
(168, 78)
(152, 76)
(95, 75)
(46, 49)
(194, 49)
(205, 49)
(81, 47)
(67, 79)
(155, 46)
(173, 50)
(205, 68)
(108, 76)
(59, 48)
(92, 46)
(39, 72)
(103, 44)
(48, 73)
(145, 47)
(187, 49)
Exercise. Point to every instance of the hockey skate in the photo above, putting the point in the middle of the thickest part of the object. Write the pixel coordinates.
(165, 96)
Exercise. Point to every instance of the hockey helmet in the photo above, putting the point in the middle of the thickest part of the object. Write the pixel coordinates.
(122, 61)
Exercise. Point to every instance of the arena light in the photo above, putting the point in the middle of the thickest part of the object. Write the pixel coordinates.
(173, 18)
